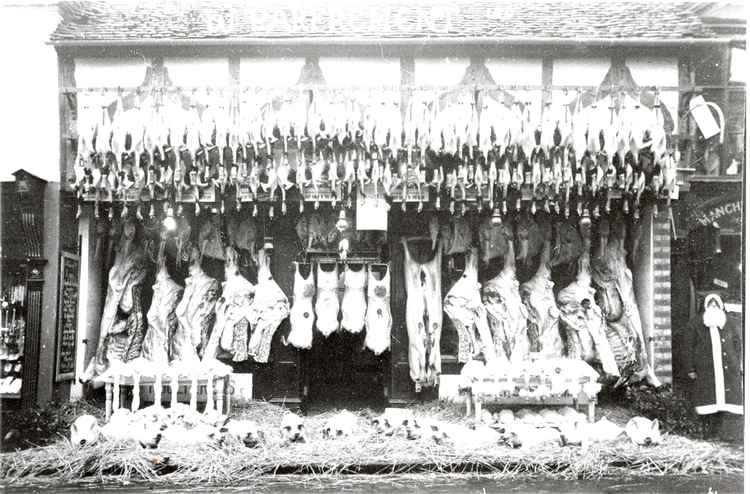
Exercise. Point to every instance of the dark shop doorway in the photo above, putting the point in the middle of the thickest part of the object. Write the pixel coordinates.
(342, 373)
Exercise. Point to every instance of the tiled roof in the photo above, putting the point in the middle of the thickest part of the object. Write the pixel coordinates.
(399, 20)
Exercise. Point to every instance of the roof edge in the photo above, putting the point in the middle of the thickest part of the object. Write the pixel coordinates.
(359, 41)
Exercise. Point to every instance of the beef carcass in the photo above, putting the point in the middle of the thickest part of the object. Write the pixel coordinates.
(463, 305)
(354, 305)
(195, 313)
(270, 308)
(161, 316)
(424, 316)
(327, 301)
(537, 295)
(581, 319)
(122, 330)
(506, 314)
(614, 282)
(378, 320)
(302, 316)
(234, 311)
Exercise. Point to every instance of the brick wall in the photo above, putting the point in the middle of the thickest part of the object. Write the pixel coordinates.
(662, 290)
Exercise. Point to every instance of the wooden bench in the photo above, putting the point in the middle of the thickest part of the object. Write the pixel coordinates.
(216, 396)
(478, 400)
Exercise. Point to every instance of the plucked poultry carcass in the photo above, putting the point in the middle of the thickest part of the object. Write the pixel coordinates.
(615, 293)
(327, 300)
(581, 319)
(234, 312)
(378, 320)
(463, 305)
(302, 316)
(161, 316)
(354, 305)
(506, 314)
(195, 312)
(424, 316)
(537, 295)
(122, 329)
(270, 308)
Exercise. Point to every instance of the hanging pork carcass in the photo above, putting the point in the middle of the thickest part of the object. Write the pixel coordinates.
(424, 316)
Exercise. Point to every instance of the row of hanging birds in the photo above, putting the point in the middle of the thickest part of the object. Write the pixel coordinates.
(457, 145)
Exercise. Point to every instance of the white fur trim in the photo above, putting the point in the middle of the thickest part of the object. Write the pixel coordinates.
(706, 409)
(718, 366)
(713, 296)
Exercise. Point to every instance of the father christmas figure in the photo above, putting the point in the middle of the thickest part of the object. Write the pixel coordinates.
(714, 361)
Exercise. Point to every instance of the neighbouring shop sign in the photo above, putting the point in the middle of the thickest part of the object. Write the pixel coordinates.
(67, 317)
(725, 211)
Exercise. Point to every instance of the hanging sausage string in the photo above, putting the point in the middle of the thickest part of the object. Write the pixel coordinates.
(479, 147)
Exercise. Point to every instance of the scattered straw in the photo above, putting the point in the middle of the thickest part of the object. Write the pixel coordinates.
(364, 452)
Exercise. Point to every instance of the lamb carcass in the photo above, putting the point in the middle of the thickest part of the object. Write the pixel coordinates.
(327, 301)
(302, 316)
(354, 305)
(614, 282)
(424, 317)
(537, 295)
(581, 318)
(378, 320)
(506, 314)
(463, 305)
(270, 308)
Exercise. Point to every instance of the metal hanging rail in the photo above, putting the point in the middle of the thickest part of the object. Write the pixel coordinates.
(477, 87)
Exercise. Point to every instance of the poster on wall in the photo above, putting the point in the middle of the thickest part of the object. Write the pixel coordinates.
(67, 317)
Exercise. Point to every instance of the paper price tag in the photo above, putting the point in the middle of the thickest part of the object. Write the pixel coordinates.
(372, 214)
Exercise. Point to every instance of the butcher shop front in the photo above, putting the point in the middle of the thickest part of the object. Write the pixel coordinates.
(314, 210)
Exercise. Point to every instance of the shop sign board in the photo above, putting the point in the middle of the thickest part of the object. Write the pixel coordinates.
(725, 211)
(67, 317)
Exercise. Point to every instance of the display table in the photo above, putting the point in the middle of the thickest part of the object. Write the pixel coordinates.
(480, 399)
(216, 395)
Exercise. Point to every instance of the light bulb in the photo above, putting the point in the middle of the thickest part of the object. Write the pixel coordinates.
(169, 222)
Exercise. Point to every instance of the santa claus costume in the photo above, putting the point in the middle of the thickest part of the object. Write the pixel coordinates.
(714, 354)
